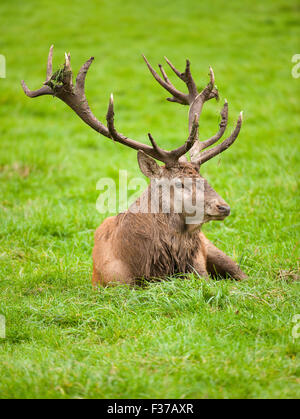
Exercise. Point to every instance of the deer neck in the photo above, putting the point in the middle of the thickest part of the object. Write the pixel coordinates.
(176, 222)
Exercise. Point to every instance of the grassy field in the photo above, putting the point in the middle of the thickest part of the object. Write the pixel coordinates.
(181, 338)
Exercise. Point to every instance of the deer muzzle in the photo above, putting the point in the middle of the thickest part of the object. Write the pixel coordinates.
(224, 209)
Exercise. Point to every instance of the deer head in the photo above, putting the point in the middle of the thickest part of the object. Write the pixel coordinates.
(177, 168)
(180, 189)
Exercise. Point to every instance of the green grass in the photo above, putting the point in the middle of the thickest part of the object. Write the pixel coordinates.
(181, 338)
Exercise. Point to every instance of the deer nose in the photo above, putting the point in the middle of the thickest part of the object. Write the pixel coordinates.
(224, 209)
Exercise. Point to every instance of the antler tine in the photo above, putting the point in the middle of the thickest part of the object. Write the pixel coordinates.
(49, 64)
(187, 78)
(177, 72)
(212, 76)
(209, 154)
(201, 145)
(67, 73)
(81, 76)
(164, 74)
(45, 90)
(153, 142)
(222, 128)
(178, 96)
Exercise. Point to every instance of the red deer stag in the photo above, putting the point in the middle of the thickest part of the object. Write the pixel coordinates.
(141, 243)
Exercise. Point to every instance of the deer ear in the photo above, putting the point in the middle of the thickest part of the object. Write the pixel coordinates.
(148, 165)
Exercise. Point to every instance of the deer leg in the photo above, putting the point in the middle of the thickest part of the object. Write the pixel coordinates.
(113, 274)
(218, 263)
(199, 264)
(200, 270)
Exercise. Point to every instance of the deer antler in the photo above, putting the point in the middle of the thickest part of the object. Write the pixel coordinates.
(196, 101)
(199, 158)
(60, 85)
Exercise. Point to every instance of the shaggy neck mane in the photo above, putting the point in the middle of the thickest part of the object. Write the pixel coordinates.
(156, 244)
